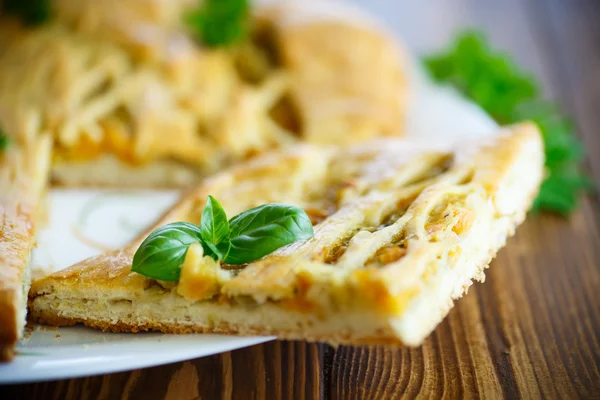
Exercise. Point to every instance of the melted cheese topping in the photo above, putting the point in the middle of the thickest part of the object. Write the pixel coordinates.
(201, 276)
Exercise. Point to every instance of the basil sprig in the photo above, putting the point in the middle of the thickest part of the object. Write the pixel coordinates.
(244, 238)
(510, 95)
(31, 12)
(4, 142)
(218, 23)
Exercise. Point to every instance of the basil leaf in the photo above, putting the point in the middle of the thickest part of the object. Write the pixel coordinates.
(162, 253)
(262, 230)
(214, 228)
(4, 142)
(220, 22)
(31, 12)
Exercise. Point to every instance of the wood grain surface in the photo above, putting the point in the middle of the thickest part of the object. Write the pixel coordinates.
(532, 330)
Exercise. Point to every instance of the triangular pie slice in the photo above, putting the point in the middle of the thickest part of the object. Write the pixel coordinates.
(23, 176)
(400, 232)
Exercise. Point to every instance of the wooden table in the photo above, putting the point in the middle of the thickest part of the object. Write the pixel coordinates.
(532, 330)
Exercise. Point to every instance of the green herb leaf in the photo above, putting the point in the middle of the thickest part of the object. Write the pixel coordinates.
(247, 237)
(32, 12)
(262, 230)
(162, 253)
(493, 81)
(220, 22)
(214, 228)
(4, 141)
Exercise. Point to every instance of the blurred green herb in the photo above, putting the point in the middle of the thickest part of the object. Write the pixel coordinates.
(220, 22)
(31, 12)
(4, 141)
(509, 95)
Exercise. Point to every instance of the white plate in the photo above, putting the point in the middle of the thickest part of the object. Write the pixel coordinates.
(82, 223)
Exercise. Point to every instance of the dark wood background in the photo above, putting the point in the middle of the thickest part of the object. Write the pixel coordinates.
(532, 330)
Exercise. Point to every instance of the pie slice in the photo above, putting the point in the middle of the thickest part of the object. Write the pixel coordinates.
(400, 232)
(23, 177)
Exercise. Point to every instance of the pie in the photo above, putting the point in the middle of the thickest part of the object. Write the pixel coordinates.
(401, 230)
(131, 99)
(23, 177)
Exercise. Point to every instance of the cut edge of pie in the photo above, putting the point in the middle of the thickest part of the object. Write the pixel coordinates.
(23, 176)
(400, 233)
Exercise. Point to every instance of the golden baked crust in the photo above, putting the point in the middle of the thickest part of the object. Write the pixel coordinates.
(400, 231)
(23, 177)
(126, 80)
